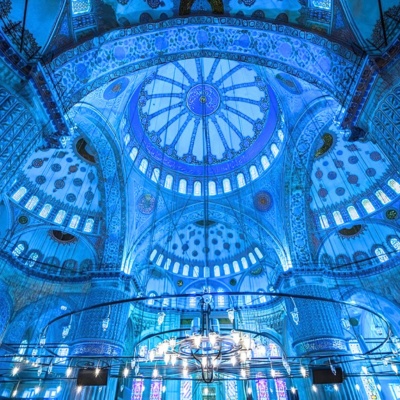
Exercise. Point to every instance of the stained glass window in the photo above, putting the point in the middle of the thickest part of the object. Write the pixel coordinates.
(137, 389)
(153, 255)
(226, 183)
(196, 271)
(133, 154)
(274, 149)
(74, 221)
(240, 180)
(265, 162)
(236, 267)
(281, 393)
(338, 218)
(231, 389)
(253, 172)
(394, 185)
(258, 252)
(156, 389)
(212, 188)
(89, 225)
(19, 248)
(31, 204)
(159, 259)
(220, 298)
(323, 4)
(186, 390)
(182, 186)
(155, 175)
(395, 243)
(60, 217)
(175, 269)
(167, 264)
(30, 262)
(185, 270)
(262, 387)
(252, 258)
(143, 165)
(369, 208)
(217, 271)
(382, 197)
(227, 269)
(323, 220)
(80, 6)
(281, 135)
(381, 254)
(19, 194)
(150, 302)
(45, 211)
(127, 139)
(197, 188)
(245, 263)
(168, 181)
(62, 353)
(353, 212)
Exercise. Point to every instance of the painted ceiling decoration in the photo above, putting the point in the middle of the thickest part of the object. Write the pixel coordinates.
(199, 198)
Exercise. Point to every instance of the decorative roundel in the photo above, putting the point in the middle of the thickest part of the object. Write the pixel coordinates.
(23, 219)
(59, 183)
(40, 179)
(233, 282)
(154, 3)
(263, 201)
(340, 191)
(56, 167)
(37, 162)
(203, 99)
(116, 88)
(248, 3)
(375, 156)
(322, 192)
(391, 214)
(352, 179)
(289, 83)
(89, 196)
(146, 203)
(370, 172)
(180, 283)
(71, 197)
(72, 169)
(78, 182)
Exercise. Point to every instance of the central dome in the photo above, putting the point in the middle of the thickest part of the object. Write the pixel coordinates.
(202, 111)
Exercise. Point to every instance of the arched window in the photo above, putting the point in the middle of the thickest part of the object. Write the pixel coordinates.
(88, 225)
(159, 259)
(394, 185)
(150, 301)
(236, 267)
(258, 253)
(240, 180)
(133, 154)
(192, 300)
(19, 194)
(155, 176)
(62, 354)
(21, 351)
(143, 165)
(185, 270)
(265, 162)
(381, 254)
(281, 135)
(33, 257)
(323, 220)
(395, 243)
(80, 6)
(182, 186)
(217, 271)
(323, 4)
(369, 208)
(196, 271)
(338, 218)
(31, 203)
(167, 264)
(74, 221)
(45, 211)
(19, 248)
(227, 269)
(252, 258)
(245, 263)
(175, 269)
(60, 217)
(226, 184)
(168, 182)
(353, 213)
(253, 172)
(153, 255)
(220, 298)
(274, 149)
(382, 197)
(212, 188)
(262, 298)
(197, 188)
(127, 139)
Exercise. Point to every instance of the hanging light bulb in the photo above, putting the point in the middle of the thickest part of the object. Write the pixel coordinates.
(172, 343)
(65, 331)
(395, 369)
(37, 389)
(14, 393)
(314, 388)
(243, 356)
(246, 341)
(243, 373)
(185, 362)
(231, 314)
(333, 369)
(105, 323)
(174, 358)
(212, 337)
(197, 340)
(161, 317)
(15, 370)
(167, 358)
(273, 373)
(42, 341)
(79, 389)
(50, 368)
(204, 362)
(233, 360)
(97, 371)
(137, 369)
(293, 390)
(133, 363)
(303, 371)
(379, 387)
(235, 337)
(364, 369)
(249, 391)
(126, 372)
(357, 386)
(155, 373)
(58, 390)
(185, 372)
(164, 389)
(152, 354)
(205, 391)
(68, 372)
(336, 387)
